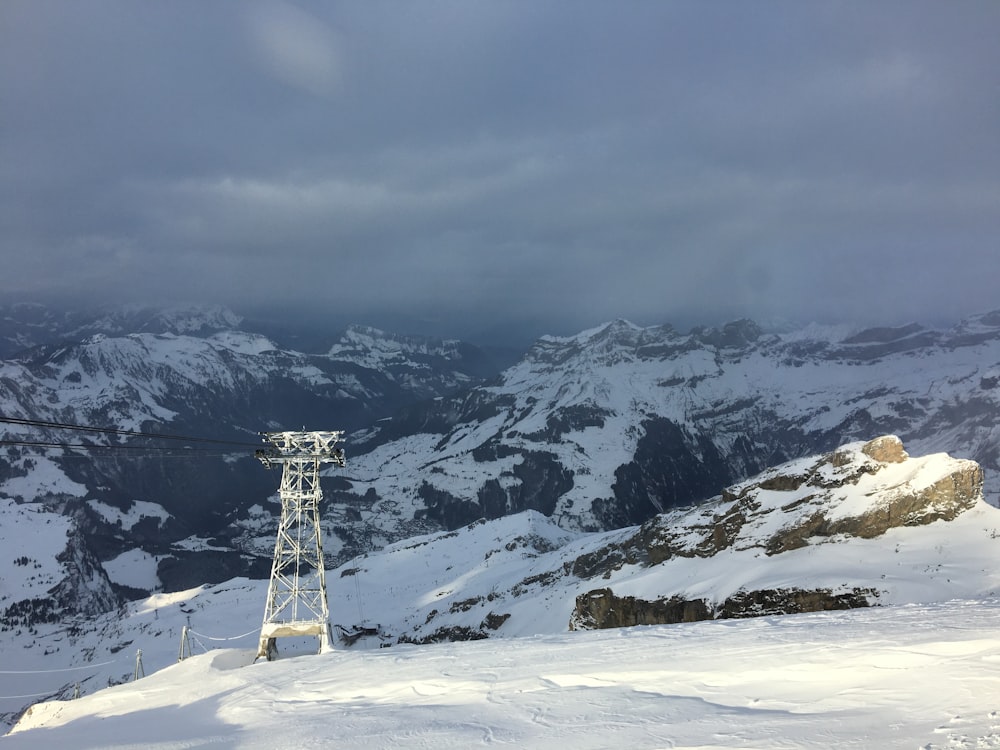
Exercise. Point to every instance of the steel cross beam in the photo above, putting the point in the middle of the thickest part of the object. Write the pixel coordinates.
(296, 595)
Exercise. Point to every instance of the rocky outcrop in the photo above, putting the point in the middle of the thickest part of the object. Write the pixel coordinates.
(887, 449)
(85, 589)
(858, 491)
(601, 608)
(895, 497)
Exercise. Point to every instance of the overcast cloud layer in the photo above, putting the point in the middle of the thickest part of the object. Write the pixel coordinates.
(465, 167)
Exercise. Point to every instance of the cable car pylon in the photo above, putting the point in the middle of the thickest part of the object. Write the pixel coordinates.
(296, 595)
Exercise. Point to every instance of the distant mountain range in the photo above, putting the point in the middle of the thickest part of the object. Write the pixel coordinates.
(617, 424)
(598, 431)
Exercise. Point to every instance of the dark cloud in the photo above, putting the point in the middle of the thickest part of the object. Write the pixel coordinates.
(469, 167)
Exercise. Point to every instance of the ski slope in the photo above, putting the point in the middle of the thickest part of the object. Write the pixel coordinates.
(918, 676)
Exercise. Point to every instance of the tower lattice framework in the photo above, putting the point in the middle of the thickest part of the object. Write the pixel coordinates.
(296, 595)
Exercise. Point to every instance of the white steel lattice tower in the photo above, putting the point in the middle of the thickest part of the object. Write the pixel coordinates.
(296, 596)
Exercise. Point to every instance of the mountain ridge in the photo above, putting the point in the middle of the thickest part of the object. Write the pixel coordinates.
(600, 430)
(598, 411)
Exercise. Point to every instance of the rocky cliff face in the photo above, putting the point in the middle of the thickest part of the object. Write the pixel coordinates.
(601, 608)
(859, 491)
(52, 574)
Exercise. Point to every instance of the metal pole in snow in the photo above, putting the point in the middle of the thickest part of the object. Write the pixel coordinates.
(185, 648)
(139, 671)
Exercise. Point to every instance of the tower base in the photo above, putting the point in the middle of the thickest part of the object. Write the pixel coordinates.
(271, 631)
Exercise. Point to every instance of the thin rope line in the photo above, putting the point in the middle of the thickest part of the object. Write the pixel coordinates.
(147, 449)
(115, 431)
(53, 671)
(32, 695)
(233, 638)
(197, 640)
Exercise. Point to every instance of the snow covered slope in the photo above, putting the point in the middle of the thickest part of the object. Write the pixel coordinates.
(905, 677)
(858, 527)
(845, 528)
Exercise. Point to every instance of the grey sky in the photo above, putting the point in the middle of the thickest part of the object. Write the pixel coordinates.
(461, 167)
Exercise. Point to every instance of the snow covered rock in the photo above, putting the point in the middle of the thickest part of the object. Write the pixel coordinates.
(524, 575)
(859, 491)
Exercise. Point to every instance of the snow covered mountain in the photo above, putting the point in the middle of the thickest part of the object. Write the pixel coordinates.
(150, 517)
(619, 423)
(601, 430)
(862, 526)
(24, 326)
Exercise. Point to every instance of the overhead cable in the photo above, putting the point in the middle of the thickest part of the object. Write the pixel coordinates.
(116, 431)
(139, 450)
(53, 671)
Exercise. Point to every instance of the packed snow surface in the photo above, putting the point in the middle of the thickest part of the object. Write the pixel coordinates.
(919, 676)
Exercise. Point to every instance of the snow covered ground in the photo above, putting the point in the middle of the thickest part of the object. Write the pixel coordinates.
(919, 676)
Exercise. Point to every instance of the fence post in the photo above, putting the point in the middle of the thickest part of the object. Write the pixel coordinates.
(185, 648)
(139, 671)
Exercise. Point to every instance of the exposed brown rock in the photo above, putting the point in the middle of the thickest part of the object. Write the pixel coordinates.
(446, 635)
(799, 535)
(493, 621)
(782, 482)
(906, 505)
(943, 500)
(887, 449)
(601, 608)
(793, 601)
